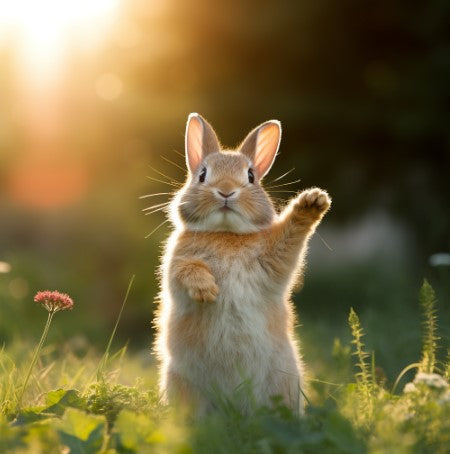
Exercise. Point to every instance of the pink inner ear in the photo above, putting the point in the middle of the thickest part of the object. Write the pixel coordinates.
(266, 147)
(194, 143)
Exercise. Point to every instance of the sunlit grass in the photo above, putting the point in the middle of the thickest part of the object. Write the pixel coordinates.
(68, 404)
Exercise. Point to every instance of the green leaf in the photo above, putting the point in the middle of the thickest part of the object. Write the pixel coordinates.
(42, 437)
(29, 415)
(83, 433)
(134, 430)
(58, 400)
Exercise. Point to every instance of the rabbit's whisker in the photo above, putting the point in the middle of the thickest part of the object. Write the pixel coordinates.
(172, 180)
(179, 154)
(156, 210)
(154, 195)
(173, 163)
(156, 206)
(159, 207)
(282, 176)
(284, 184)
(165, 182)
(156, 228)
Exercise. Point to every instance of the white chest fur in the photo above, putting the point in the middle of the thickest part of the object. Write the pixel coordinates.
(236, 345)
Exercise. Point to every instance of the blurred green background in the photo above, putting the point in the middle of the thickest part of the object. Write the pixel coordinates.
(94, 96)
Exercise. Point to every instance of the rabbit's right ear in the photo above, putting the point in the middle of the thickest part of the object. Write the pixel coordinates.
(200, 140)
(261, 146)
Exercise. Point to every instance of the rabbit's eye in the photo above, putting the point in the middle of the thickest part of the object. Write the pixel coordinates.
(251, 176)
(202, 176)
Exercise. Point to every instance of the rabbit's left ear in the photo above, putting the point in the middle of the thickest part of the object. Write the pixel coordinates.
(261, 146)
(200, 140)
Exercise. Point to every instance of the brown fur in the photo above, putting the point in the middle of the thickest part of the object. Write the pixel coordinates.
(180, 391)
(227, 278)
(196, 275)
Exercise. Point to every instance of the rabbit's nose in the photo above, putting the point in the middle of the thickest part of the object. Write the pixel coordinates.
(226, 195)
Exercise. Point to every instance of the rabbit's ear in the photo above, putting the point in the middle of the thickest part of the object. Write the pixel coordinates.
(200, 140)
(261, 146)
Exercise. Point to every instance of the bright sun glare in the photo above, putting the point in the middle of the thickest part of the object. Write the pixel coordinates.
(41, 36)
(41, 31)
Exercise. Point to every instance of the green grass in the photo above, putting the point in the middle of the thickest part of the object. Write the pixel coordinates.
(68, 403)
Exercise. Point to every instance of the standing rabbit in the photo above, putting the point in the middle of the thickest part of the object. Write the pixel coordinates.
(228, 270)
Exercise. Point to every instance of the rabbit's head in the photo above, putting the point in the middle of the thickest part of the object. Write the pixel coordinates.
(223, 190)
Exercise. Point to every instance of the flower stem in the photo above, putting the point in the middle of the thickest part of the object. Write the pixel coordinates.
(35, 356)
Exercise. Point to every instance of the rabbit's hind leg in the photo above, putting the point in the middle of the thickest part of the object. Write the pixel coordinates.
(181, 393)
(286, 382)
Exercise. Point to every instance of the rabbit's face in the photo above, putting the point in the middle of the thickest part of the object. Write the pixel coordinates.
(224, 194)
(223, 190)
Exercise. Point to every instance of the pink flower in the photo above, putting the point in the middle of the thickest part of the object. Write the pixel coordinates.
(54, 301)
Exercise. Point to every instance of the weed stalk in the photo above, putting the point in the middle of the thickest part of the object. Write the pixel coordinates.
(430, 339)
(105, 356)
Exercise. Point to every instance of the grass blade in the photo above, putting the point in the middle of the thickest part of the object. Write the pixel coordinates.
(105, 356)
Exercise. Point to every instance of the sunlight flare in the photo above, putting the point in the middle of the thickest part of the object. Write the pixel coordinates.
(41, 32)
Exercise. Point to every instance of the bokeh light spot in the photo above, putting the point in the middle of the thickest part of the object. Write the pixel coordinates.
(5, 267)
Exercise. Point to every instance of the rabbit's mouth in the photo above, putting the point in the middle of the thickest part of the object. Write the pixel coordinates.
(225, 208)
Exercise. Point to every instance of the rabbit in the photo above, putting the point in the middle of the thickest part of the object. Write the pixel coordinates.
(227, 273)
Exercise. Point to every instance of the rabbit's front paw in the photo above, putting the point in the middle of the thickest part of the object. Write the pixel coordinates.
(315, 201)
(204, 290)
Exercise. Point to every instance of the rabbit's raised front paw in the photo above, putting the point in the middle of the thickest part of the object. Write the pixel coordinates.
(313, 200)
(204, 290)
